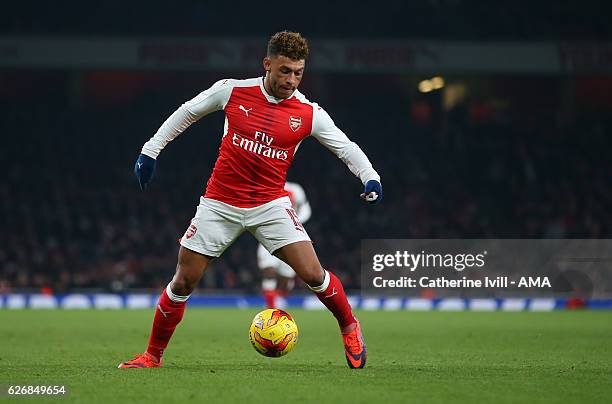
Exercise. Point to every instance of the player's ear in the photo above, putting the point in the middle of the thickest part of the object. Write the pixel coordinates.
(267, 64)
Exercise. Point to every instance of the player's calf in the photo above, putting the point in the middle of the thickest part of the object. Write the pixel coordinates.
(331, 294)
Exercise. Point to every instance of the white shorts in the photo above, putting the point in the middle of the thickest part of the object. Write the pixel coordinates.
(267, 260)
(216, 225)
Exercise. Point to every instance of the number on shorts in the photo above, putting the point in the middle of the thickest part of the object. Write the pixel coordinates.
(294, 217)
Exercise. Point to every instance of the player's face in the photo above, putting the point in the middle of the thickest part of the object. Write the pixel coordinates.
(283, 75)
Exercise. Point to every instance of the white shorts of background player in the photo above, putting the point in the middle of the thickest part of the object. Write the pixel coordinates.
(267, 260)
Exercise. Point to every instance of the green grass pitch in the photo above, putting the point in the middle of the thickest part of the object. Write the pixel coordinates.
(421, 357)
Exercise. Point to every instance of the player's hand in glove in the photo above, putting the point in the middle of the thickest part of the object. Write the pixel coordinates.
(373, 192)
(144, 170)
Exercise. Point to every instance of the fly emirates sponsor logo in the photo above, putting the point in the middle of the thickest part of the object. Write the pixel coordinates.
(262, 145)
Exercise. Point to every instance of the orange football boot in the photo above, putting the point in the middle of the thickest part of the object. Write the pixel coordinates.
(144, 360)
(355, 348)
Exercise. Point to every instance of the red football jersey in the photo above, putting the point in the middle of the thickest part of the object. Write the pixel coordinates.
(260, 138)
(258, 147)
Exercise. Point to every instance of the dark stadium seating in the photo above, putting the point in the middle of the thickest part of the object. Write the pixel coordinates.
(73, 216)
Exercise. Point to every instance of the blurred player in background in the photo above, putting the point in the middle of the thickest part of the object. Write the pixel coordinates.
(278, 278)
(266, 119)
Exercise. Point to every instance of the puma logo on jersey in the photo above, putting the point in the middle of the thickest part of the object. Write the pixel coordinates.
(246, 111)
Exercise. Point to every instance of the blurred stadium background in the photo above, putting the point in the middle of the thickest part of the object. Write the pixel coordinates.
(485, 120)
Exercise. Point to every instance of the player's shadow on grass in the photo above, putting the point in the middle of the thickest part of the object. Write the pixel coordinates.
(255, 366)
(290, 368)
(462, 370)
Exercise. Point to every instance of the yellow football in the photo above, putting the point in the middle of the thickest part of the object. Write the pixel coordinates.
(273, 333)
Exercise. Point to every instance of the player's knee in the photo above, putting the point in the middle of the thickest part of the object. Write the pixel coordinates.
(182, 287)
(268, 273)
(183, 284)
(313, 276)
(285, 284)
(282, 284)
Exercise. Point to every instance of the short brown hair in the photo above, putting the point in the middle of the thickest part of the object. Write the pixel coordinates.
(290, 44)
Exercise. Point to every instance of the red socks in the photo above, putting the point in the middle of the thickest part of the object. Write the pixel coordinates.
(170, 308)
(331, 294)
(270, 298)
(168, 313)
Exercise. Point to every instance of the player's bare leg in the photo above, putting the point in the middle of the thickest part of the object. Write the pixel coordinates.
(269, 286)
(285, 284)
(302, 258)
(189, 270)
(171, 306)
(273, 286)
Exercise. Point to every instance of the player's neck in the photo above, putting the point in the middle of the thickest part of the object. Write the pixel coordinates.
(268, 88)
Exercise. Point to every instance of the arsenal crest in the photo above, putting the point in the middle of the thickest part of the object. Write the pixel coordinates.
(295, 122)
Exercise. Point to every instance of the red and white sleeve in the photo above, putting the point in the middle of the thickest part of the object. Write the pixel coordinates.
(327, 133)
(211, 100)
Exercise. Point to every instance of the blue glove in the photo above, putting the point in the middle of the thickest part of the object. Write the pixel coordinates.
(144, 169)
(373, 192)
